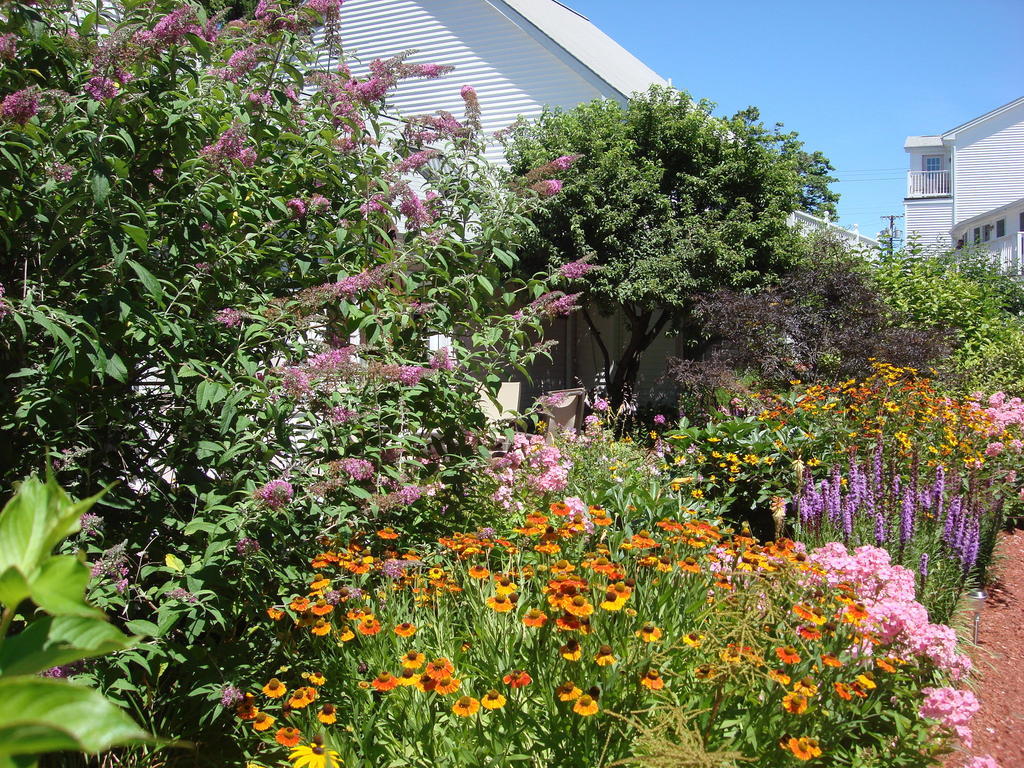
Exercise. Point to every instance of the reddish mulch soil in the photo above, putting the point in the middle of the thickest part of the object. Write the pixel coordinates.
(999, 659)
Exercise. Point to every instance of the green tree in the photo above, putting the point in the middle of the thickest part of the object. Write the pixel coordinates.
(668, 202)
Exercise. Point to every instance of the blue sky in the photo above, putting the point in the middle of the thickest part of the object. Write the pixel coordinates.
(853, 79)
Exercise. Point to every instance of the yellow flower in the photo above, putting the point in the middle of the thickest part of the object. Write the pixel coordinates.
(493, 700)
(316, 755)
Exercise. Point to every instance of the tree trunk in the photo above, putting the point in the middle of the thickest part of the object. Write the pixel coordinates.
(644, 329)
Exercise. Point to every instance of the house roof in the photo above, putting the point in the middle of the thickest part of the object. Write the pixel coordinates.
(983, 118)
(573, 33)
(923, 142)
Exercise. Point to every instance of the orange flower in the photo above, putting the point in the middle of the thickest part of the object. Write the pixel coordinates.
(405, 629)
(315, 678)
(322, 608)
(327, 714)
(275, 689)
(830, 660)
(385, 682)
(604, 656)
(413, 659)
(275, 613)
(585, 705)
(578, 606)
(466, 706)
(503, 585)
(493, 700)
(794, 703)
(302, 697)
(843, 690)
(612, 601)
(652, 680)
(802, 748)
(807, 613)
(387, 533)
(446, 685)
(689, 565)
(368, 626)
(345, 634)
(805, 686)
(885, 665)
(517, 679)
(408, 677)
(809, 633)
(246, 709)
(319, 582)
(788, 655)
(439, 668)
(535, 618)
(478, 572)
(568, 691)
(693, 639)
(262, 721)
(500, 604)
(571, 651)
(779, 676)
(299, 604)
(321, 627)
(855, 614)
(559, 508)
(649, 633)
(288, 736)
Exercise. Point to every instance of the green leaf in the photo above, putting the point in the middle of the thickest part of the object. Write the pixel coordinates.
(148, 279)
(52, 641)
(100, 188)
(39, 715)
(174, 563)
(138, 234)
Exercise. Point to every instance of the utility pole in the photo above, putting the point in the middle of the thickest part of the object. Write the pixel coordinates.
(891, 233)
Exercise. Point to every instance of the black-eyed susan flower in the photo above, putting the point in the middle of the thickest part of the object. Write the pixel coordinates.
(500, 604)
(794, 703)
(478, 572)
(604, 656)
(314, 678)
(405, 629)
(652, 680)
(316, 755)
(803, 748)
(518, 678)
(345, 634)
(327, 714)
(649, 633)
(439, 668)
(466, 706)
(585, 705)
(274, 689)
(535, 618)
(805, 686)
(288, 736)
(412, 659)
(385, 682)
(503, 585)
(693, 639)
(578, 606)
(571, 651)
(787, 654)
(612, 601)
(408, 677)
(263, 721)
(807, 613)
(867, 681)
(368, 626)
(492, 700)
(885, 665)
(446, 685)
(568, 691)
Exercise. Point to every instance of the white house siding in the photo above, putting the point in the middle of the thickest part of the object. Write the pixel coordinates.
(929, 220)
(513, 71)
(989, 164)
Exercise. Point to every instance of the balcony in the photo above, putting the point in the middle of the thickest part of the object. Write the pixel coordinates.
(927, 183)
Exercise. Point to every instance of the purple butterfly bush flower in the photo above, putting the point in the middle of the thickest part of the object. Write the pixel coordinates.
(101, 88)
(275, 494)
(547, 187)
(21, 106)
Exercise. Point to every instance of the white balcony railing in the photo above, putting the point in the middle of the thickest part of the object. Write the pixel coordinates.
(927, 183)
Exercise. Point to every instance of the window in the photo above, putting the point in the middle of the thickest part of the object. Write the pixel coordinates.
(1001, 228)
(933, 163)
(1020, 224)
(986, 232)
(977, 234)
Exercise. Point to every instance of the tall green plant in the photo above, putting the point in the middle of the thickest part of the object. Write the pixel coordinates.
(42, 598)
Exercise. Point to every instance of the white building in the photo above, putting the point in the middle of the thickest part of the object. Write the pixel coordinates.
(967, 185)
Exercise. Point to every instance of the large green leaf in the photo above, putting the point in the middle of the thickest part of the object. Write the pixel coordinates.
(39, 715)
(51, 642)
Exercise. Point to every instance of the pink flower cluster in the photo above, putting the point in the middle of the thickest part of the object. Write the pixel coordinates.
(357, 469)
(275, 494)
(547, 187)
(1004, 412)
(530, 466)
(953, 708)
(8, 47)
(574, 270)
(887, 592)
(230, 318)
(240, 63)
(21, 106)
(230, 146)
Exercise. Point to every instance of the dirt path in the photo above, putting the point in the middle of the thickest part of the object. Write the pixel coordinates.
(999, 726)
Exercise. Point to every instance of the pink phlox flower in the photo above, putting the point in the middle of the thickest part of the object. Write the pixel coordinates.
(953, 708)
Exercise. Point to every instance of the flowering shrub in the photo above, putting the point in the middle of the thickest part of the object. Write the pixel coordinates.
(575, 629)
(230, 290)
